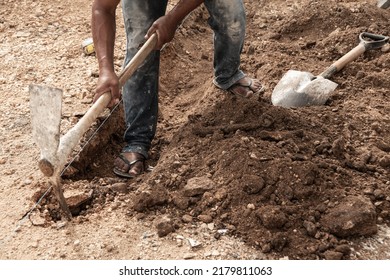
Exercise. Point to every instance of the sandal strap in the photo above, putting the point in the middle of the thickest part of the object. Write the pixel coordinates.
(131, 163)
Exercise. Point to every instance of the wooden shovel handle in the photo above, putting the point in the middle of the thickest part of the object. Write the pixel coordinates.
(344, 60)
(368, 41)
(73, 136)
(129, 69)
(136, 61)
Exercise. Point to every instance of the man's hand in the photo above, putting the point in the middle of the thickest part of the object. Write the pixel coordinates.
(165, 28)
(108, 82)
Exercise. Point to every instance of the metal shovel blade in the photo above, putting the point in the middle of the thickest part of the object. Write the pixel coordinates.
(45, 109)
(298, 89)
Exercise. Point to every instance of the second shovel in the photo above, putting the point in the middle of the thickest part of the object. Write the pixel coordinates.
(298, 89)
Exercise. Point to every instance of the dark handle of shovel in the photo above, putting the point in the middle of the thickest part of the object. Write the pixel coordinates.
(368, 41)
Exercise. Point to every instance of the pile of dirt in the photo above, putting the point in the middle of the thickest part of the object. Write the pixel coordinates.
(303, 182)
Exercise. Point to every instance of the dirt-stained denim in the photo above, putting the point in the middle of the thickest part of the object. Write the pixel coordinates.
(140, 93)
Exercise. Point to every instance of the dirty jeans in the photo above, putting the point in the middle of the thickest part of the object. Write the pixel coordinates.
(140, 92)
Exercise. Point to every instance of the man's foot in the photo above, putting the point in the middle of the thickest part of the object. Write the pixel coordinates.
(129, 165)
(246, 87)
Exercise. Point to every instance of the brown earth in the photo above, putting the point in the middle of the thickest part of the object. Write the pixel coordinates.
(302, 183)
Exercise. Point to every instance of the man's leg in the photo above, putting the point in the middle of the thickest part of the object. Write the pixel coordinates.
(140, 92)
(227, 19)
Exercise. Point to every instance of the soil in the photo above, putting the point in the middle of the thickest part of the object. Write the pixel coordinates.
(232, 178)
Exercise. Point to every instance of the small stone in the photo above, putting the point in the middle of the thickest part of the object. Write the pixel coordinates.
(194, 243)
(27, 182)
(60, 225)
(222, 231)
(197, 186)
(333, 255)
(205, 218)
(310, 228)
(251, 206)
(164, 227)
(189, 256)
(119, 188)
(385, 161)
(179, 242)
(345, 249)
(215, 253)
(186, 218)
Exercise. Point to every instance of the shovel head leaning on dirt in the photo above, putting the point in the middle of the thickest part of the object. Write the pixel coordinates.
(45, 108)
(298, 89)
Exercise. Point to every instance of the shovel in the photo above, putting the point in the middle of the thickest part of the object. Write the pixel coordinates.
(298, 89)
(45, 108)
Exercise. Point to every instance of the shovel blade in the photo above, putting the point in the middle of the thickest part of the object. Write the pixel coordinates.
(299, 89)
(45, 109)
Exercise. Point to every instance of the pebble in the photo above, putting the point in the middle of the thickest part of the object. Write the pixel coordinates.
(27, 182)
(189, 256)
(251, 206)
(61, 224)
(194, 243)
(119, 187)
(186, 218)
(205, 218)
(215, 253)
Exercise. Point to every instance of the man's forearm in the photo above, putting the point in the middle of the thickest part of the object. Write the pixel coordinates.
(103, 32)
(183, 8)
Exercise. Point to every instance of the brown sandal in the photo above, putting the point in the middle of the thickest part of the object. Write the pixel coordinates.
(245, 90)
(130, 166)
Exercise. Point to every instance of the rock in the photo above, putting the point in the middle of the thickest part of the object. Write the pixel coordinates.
(164, 227)
(194, 243)
(186, 218)
(205, 218)
(147, 199)
(119, 188)
(385, 161)
(279, 241)
(333, 255)
(181, 202)
(354, 216)
(252, 184)
(338, 148)
(77, 200)
(271, 217)
(189, 256)
(310, 228)
(345, 249)
(197, 186)
(215, 253)
(37, 219)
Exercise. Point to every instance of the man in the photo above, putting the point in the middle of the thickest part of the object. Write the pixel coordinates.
(142, 18)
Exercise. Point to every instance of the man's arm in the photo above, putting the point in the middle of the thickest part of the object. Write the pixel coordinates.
(166, 26)
(103, 32)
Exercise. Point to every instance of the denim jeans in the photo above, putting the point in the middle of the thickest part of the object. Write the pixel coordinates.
(140, 92)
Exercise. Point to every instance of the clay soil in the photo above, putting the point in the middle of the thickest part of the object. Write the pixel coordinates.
(232, 178)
